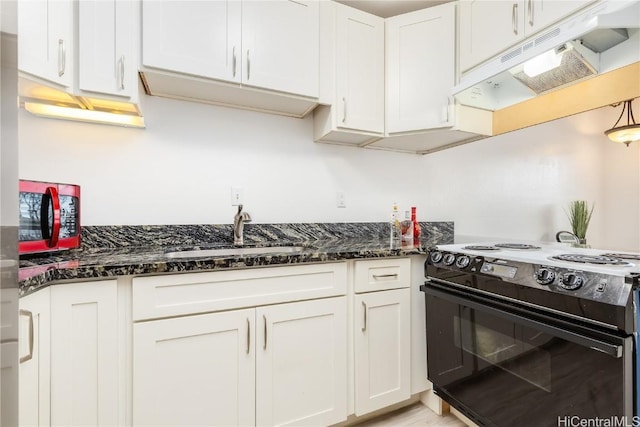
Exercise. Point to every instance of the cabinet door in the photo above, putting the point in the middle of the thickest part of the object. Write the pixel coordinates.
(280, 45)
(359, 70)
(420, 69)
(541, 13)
(382, 349)
(195, 370)
(487, 27)
(201, 38)
(301, 363)
(34, 354)
(84, 354)
(105, 47)
(45, 45)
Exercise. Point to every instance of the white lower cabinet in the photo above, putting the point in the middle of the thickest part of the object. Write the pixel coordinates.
(382, 350)
(241, 363)
(276, 365)
(34, 370)
(266, 346)
(195, 370)
(301, 363)
(382, 334)
(71, 333)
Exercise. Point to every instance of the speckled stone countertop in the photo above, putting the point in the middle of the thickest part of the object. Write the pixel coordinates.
(111, 251)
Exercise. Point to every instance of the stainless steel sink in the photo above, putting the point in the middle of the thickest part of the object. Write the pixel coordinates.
(236, 251)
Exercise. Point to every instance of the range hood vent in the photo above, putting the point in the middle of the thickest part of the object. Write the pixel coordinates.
(574, 48)
(575, 63)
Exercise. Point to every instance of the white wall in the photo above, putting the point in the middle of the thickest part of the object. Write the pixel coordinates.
(518, 185)
(180, 170)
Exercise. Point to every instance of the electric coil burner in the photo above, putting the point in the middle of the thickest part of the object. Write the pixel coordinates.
(481, 248)
(519, 246)
(590, 259)
(634, 257)
(512, 328)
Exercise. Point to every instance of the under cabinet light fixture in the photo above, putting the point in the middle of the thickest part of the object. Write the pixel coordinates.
(91, 116)
(628, 133)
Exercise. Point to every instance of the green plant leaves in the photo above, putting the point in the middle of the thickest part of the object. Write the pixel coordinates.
(579, 216)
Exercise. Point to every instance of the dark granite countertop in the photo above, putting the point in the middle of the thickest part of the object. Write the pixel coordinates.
(119, 251)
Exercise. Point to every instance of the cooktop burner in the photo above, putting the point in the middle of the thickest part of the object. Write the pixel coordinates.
(590, 259)
(516, 246)
(481, 248)
(635, 257)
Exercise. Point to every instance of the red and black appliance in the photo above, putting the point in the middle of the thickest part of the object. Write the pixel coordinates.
(49, 217)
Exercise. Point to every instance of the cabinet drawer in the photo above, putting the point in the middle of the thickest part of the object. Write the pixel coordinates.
(381, 274)
(182, 294)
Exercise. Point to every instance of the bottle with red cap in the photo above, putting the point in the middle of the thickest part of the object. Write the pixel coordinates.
(417, 231)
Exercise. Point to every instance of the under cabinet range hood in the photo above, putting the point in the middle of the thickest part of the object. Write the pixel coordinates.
(601, 38)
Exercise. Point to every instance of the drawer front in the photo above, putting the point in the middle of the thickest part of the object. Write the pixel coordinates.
(382, 274)
(191, 293)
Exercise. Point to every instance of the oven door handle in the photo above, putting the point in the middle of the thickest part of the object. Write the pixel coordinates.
(612, 350)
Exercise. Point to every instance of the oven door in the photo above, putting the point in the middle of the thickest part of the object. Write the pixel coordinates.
(503, 367)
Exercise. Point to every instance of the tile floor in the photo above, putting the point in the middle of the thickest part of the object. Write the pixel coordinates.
(414, 415)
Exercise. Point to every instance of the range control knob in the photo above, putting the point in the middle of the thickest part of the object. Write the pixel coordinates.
(463, 261)
(436, 257)
(544, 276)
(572, 281)
(449, 259)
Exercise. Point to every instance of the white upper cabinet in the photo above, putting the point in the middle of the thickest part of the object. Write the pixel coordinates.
(541, 13)
(201, 38)
(488, 27)
(360, 70)
(352, 76)
(259, 55)
(421, 115)
(106, 58)
(280, 42)
(45, 45)
(420, 61)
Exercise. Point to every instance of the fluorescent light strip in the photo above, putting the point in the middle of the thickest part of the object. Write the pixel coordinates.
(542, 63)
(91, 116)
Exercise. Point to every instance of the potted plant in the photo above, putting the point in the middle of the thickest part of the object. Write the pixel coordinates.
(579, 216)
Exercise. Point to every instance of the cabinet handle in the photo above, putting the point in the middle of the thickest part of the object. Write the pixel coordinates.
(344, 110)
(530, 12)
(264, 347)
(385, 276)
(364, 325)
(514, 19)
(448, 109)
(234, 61)
(248, 335)
(121, 62)
(248, 65)
(30, 316)
(62, 58)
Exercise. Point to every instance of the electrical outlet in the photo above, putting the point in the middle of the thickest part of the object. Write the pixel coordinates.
(237, 196)
(341, 200)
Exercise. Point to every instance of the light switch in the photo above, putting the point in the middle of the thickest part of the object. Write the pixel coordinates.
(341, 201)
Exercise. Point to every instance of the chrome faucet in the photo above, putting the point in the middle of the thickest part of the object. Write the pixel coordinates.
(238, 226)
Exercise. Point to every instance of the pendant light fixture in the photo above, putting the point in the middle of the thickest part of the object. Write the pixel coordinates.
(627, 133)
